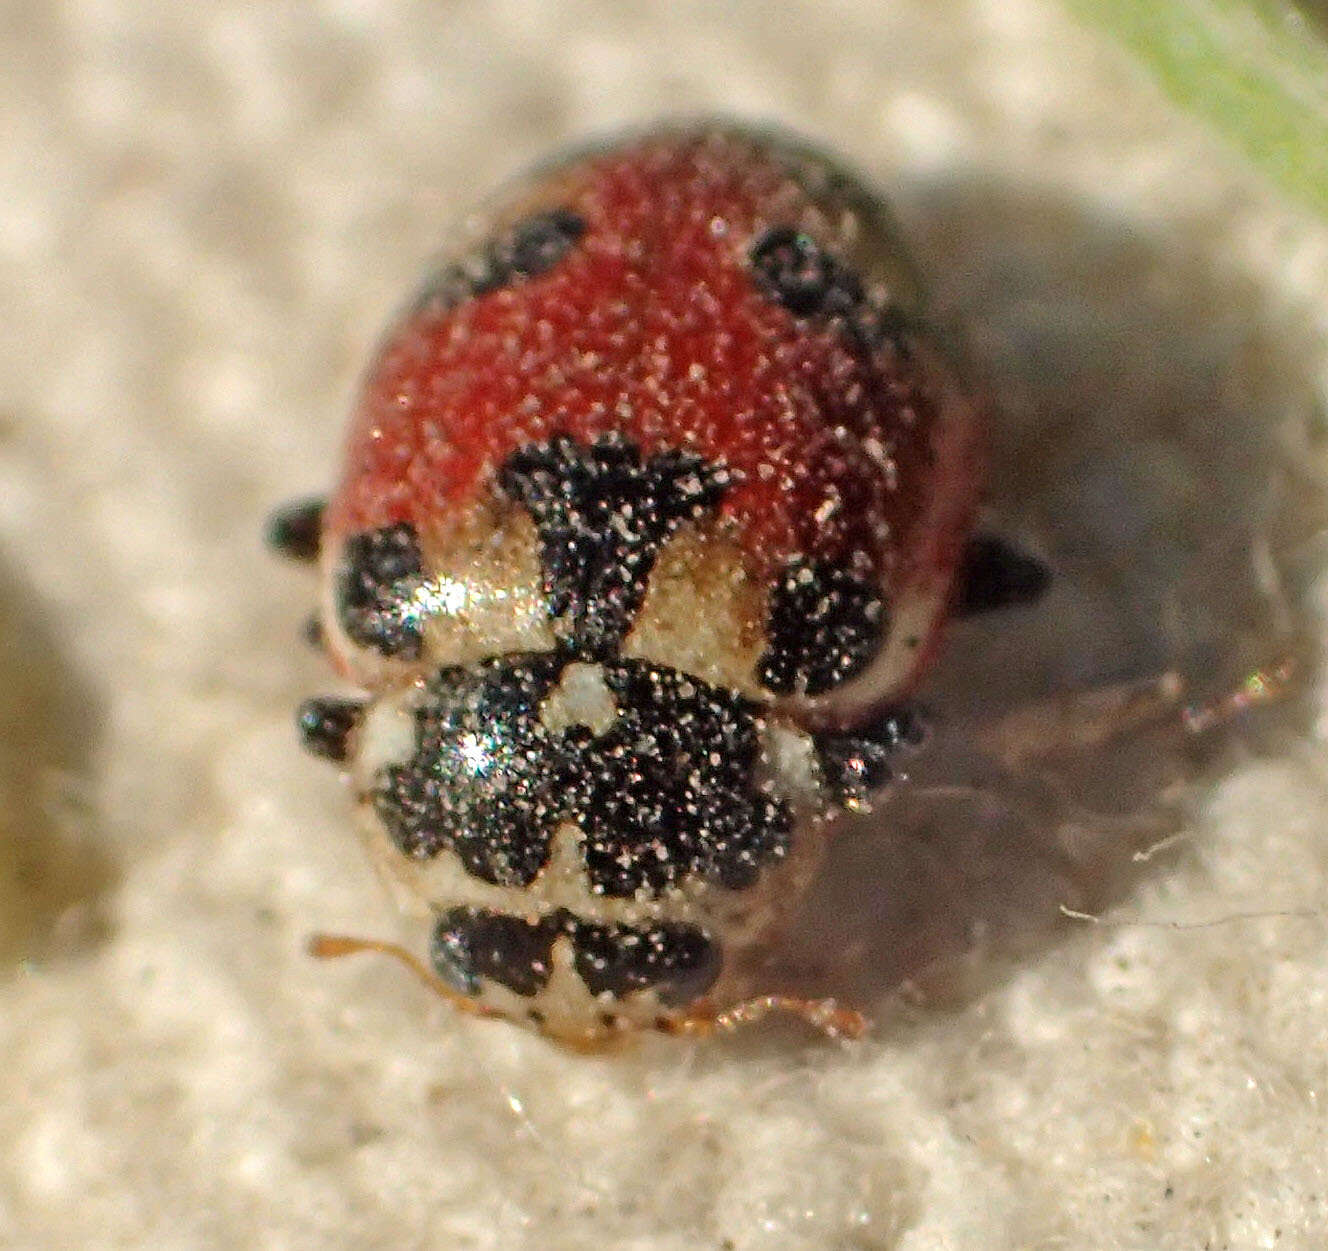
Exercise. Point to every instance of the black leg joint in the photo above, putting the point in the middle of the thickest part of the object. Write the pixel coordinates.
(294, 529)
(995, 574)
(854, 766)
(326, 724)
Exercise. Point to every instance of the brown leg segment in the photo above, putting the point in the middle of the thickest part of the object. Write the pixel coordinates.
(1087, 719)
(1265, 685)
(1082, 719)
(827, 1015)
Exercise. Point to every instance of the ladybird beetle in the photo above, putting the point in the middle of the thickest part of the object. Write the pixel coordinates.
(654, 500)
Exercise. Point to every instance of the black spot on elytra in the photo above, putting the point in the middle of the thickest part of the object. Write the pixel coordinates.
(825, 624)
(530, 248)
(470, 944)
(794, 270)
(380, 570)
(995, 574)
(670, 789)
(295, 528)
(854, 766)
(602, 514)
(326, 723)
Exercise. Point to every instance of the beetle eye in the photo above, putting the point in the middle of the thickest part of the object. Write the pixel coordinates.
(472, 943)
(825, 623)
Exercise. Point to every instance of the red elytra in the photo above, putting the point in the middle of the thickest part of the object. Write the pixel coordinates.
(651, 327)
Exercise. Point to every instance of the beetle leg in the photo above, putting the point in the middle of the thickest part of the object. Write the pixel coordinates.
(1080, 720)
(856, 765)
(995, 573)
(334, 946)
(295, 529)
(1264, 685)
(326, 724)
(1086, 719)
(829, 1016)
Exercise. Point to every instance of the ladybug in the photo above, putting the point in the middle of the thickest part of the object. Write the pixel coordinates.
(655, 499)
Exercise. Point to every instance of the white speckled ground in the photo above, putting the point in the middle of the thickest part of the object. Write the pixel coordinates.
(205, 213)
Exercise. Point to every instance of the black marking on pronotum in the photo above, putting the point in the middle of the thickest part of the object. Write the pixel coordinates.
(807, 280)
(854, 766)
(792, 268)
(679, 962)
(485, 777)
(294, 529)
(602, 514)
(669, 790)
(326, 724)
(380, 571)
(994, 573)
(535, 245)
(825, 623)
(530, 248)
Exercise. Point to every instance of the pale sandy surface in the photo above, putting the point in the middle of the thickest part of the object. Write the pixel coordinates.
(205, 213)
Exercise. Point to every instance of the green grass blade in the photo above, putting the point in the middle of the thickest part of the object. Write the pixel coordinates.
(1256, 69)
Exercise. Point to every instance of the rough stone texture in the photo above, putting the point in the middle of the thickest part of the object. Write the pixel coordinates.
(206, 214)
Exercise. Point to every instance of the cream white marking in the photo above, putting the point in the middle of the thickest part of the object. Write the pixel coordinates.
(582, 697)
(450, 597)
(386, 737)
(790, 758)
